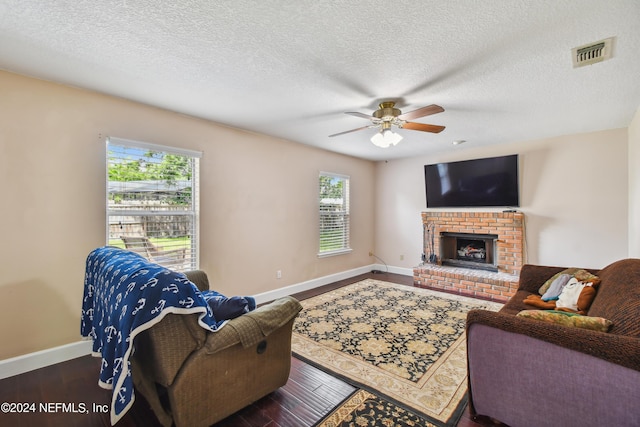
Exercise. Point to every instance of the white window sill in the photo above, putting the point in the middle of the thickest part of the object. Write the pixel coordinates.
(334, 253)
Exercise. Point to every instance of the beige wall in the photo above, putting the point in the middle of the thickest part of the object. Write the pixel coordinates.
(258, 211)
(258, 204)
(634, 186)
(574, 193)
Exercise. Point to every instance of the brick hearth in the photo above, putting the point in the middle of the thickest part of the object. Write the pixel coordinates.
(496, 286)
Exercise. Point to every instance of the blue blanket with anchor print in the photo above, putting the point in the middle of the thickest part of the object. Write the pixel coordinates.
(124, 294)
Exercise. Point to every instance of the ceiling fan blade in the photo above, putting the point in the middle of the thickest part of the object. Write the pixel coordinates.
(361, 115)
(423, 127)
(421, 112)
(352, 130)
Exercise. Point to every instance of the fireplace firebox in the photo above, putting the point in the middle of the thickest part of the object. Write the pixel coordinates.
(469, 250)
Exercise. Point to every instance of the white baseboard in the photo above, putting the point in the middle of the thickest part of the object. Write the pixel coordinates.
(325, 280)
(397, 270)
(40, 359)
(312, 284)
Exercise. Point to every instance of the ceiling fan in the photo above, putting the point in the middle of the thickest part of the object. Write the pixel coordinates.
(387, 116)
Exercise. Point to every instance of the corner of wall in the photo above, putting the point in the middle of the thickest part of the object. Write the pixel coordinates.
(634, 185)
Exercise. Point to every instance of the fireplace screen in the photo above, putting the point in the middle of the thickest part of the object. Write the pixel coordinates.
(471, 250)
(468, 250)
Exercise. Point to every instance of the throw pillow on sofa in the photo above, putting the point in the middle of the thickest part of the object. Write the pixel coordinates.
(556, 287)
(568, 319)
(568, 298)
(580, 274)
(576, 296)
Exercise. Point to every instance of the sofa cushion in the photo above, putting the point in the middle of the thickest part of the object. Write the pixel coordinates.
(516, 303)
(618, 297)
(568, 319)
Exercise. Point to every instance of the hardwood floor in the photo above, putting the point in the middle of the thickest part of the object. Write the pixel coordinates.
(308, 396)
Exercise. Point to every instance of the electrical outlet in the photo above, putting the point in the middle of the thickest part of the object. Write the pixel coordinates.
(279, 274)
(401, 257)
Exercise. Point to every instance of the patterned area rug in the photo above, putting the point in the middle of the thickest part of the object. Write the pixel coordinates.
(406, 344)
(365, 409)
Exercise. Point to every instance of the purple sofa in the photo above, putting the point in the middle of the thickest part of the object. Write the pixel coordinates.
(527, 372)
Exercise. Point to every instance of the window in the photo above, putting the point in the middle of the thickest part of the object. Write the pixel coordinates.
(152, 202)
(333, 196)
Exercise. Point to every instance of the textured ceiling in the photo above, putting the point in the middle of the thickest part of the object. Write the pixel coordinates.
(502, 70)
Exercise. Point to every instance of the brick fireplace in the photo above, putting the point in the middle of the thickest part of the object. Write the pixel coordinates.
(472, 253)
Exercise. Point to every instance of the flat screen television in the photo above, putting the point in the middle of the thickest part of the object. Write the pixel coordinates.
(489, 182)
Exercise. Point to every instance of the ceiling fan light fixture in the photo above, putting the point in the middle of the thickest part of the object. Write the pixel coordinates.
(388, 116)
(385, 138)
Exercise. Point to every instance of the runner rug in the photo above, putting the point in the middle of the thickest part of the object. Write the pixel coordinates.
(365, 409)
(401, 343)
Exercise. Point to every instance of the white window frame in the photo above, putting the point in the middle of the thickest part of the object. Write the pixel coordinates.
(329, 207)
(167, 256)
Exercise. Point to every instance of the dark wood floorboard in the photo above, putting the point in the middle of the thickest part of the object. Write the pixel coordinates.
(308, 396)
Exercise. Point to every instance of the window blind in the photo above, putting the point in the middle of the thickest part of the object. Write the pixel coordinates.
(152, 202)
(333, 201)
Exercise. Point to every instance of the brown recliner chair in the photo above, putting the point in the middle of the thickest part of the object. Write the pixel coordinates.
(192, 377)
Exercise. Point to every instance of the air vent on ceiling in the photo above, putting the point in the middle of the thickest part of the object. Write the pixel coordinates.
(592, 52)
